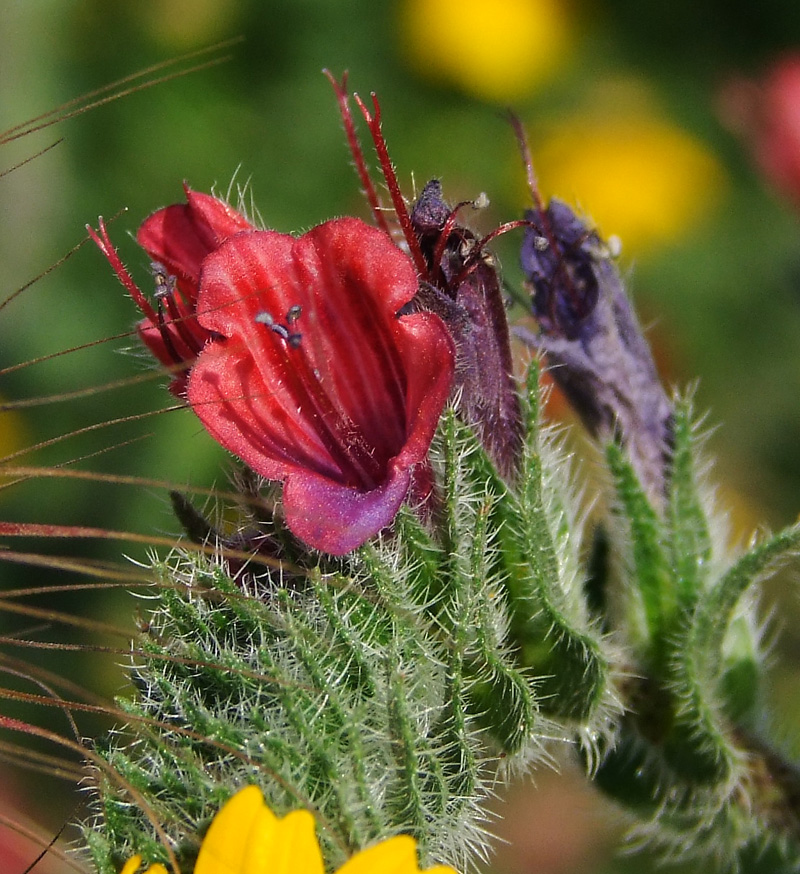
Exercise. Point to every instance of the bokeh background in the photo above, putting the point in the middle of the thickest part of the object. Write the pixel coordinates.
(662, 122)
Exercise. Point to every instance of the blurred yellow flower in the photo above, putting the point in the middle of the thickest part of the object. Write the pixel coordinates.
(499, 51)
(636, 175)
(246, 837)
(184, 24)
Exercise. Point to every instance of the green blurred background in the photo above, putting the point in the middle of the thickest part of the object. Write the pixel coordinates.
(624, 103)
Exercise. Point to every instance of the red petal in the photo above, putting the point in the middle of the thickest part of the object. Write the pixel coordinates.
(342, 260)
(215, 219)
(181, 235)
(349, 280)
(253, 419)
(336, 519)
(429, 355)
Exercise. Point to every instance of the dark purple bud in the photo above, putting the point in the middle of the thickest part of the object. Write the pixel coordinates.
(558, 253)
(593, 342)
(430, 213)
(463, 288)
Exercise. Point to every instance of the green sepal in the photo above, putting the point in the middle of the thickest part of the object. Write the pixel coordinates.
(559, 644)
(650, 572)
(741, 681)
(766, 855)
(716, 611)
(700, 745)
(473, 604)
(690, 539)
(629, 773)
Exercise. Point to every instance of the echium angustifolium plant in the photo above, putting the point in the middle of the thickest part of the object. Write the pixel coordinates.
(409, 608)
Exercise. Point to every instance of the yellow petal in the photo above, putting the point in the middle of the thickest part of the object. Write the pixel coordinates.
(132, 865)
(396, 855)
(292, 849)
(245, 837)
(243, 822)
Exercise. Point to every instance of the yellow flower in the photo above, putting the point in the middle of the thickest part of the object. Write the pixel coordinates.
(499, 51)
(246, 837)
(636, 175)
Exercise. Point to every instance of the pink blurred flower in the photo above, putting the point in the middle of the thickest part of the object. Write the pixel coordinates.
(767, 115)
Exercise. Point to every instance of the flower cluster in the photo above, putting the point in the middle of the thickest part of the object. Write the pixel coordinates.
(324, 361)
(391, 689)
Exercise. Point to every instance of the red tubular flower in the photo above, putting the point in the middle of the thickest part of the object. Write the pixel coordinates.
(311, 376)
(177, 239)
(300, 364)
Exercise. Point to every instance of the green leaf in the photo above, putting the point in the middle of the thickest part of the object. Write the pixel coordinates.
(473, 607)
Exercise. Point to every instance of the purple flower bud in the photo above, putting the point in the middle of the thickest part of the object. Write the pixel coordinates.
(463, 287)
(593, 342)
(559, 264)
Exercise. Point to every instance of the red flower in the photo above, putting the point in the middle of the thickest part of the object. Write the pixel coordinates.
(177, 239)
(767, 115)
(778, 149)
(312, 377)
(297, 359)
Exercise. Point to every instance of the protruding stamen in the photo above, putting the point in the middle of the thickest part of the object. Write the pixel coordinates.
(165, 284)
(177, 319)
(166, 336)
(477, 254)
(291, 338)
(340, 89)
(101, 238)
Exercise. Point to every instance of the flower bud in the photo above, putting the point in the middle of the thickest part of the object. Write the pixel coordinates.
(592, 339)
(462, 285)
